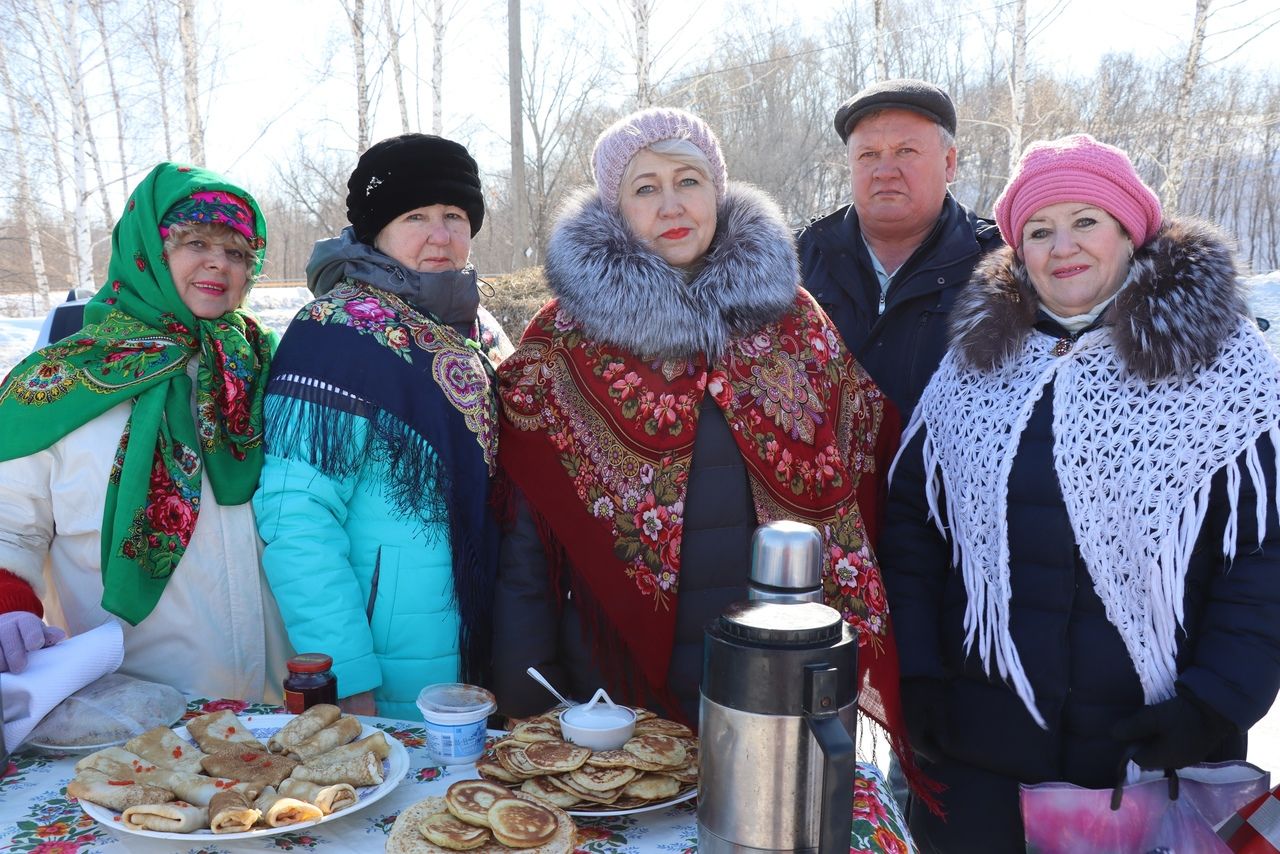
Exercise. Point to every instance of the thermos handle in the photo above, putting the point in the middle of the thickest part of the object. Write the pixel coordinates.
(822, 715)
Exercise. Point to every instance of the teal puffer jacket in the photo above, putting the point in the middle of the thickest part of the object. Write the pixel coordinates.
(357, 580)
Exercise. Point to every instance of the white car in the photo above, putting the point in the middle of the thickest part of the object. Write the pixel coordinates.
(64, 318)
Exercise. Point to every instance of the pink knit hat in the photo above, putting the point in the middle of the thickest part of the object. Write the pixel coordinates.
(1077, 168)
(619, 142)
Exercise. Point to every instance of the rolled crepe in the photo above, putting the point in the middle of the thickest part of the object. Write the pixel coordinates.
(329, 799)
(198, 789)
(161, 746)
(375, 744)
(118, 762)
(174, 817)
(232, 812)
(362, 770)
(336, 734)
(259, 768)
(222, 731)
(115, 794)
(277, 810)
(303, 727)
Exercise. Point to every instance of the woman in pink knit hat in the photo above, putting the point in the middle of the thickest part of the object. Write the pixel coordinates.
(679, 390)
(1094, 454)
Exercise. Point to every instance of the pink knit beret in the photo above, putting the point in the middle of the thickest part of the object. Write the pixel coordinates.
(619, 142)
(1077, 168)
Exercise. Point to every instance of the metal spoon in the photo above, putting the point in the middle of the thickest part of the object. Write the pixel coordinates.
(542, 680)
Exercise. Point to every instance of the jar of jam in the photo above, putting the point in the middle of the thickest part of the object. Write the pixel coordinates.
(310, 681)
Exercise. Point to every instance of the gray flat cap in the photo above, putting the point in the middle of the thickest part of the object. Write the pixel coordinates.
(906, 94)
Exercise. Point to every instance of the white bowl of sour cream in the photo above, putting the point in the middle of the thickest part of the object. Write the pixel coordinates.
(597, 725)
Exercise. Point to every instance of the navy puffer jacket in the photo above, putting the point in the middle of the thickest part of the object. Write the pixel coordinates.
(900, 346)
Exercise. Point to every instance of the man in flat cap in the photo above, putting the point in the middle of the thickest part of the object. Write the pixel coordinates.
(887, 267)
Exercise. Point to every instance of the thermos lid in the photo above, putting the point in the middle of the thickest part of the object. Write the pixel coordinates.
(786, 556)
(765, 623)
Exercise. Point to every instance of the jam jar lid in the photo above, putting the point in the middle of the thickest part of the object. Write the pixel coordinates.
(309, 662)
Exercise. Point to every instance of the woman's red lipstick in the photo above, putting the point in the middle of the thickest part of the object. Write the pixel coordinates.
(676, 233)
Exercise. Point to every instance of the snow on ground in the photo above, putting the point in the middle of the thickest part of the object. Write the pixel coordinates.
(17, 337)
(276, 306)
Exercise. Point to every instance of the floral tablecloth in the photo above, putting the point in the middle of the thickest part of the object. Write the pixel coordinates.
(37, 816)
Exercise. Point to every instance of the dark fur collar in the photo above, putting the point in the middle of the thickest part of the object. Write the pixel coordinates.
(624, 294)
(1183, 299)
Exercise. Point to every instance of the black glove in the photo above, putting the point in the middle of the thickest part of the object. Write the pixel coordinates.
(1173, 734)
(924, 708)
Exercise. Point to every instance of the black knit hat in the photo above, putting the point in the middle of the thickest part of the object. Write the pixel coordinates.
(915, 95)
(410, 171)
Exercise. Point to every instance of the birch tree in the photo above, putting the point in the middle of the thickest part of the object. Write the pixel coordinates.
(24, 201)
(354, 11)
(71, 86)
(438, 17)
(191, 80)
(97, 8)
(437, 67)
(1017, 83)
(1178, 153)
(397, 70)
(881, 14)
(519, 188)
(642, 16)
(155, 35)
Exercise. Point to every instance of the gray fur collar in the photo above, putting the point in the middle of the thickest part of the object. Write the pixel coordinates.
(1183, 298)
(624, 294)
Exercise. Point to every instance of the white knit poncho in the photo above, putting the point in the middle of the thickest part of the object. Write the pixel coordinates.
(1135, 461)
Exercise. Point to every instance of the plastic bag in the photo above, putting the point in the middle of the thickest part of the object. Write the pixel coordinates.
(1156, 814)
(107, 712)
(1255, 827)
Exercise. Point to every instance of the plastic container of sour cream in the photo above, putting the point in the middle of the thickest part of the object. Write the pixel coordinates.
(455, 715)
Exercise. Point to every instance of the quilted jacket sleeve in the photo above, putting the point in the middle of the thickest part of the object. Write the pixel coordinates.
(1234, 664)
(26, 519)
(301, 514)
(914, 561)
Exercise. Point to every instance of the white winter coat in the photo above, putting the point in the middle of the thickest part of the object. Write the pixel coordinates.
(215, 632)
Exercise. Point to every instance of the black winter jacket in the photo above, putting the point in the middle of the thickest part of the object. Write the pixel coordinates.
(1228, 654)
(535, 628)
(900, 346)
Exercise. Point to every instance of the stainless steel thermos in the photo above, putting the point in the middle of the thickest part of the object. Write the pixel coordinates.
(777, 714)
(786, 563)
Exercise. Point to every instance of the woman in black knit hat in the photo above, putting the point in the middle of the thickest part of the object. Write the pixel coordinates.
(381, 436)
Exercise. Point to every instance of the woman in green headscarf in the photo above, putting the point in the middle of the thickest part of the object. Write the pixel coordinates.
(129, 452)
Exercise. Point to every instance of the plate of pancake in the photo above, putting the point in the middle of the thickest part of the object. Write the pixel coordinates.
(482, 817)
(655, 768)
(227, 777)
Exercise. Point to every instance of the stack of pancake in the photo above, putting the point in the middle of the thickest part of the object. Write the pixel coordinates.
(484, 818)
(658, 763)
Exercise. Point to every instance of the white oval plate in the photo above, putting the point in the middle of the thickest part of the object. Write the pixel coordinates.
(394, 767)
(656, 805)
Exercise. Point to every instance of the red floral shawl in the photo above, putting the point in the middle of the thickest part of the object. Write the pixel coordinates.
(601, 442)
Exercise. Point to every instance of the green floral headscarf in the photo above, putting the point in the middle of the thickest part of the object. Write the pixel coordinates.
(136, 345)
